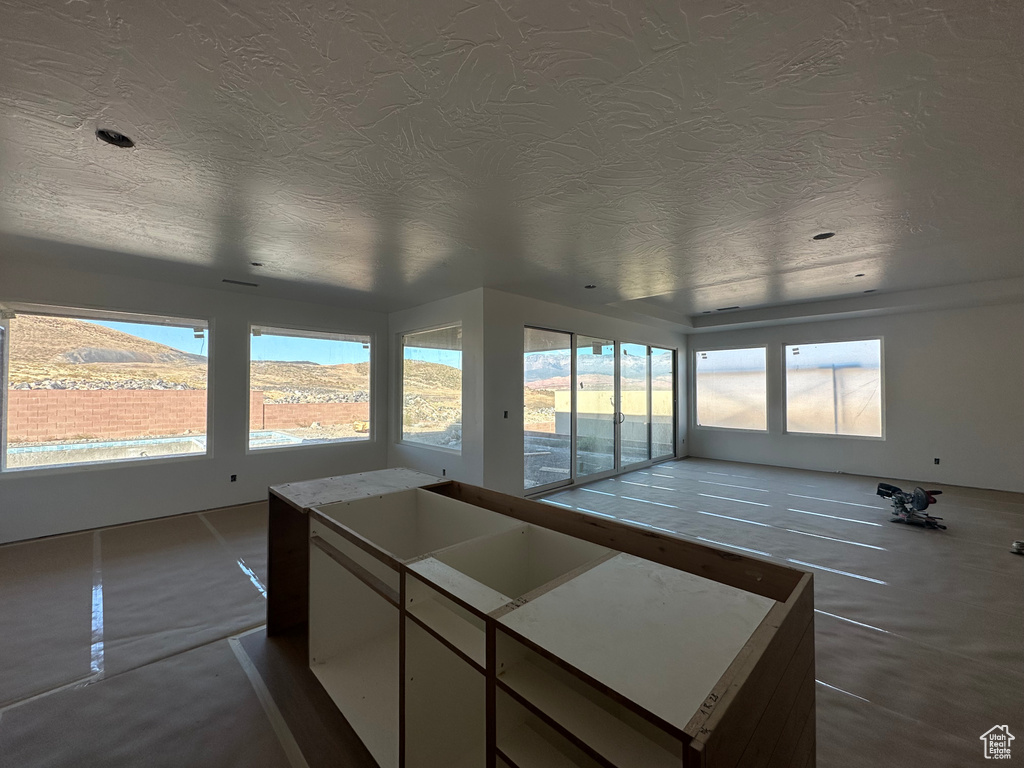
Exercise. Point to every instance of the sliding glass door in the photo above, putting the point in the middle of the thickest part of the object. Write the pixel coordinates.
(596, 412)
(547, 407)
(593, 406)
(634, 404)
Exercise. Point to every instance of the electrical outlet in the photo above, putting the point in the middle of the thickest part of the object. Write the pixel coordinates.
(936, 461)
(234, 478)
(506, 414)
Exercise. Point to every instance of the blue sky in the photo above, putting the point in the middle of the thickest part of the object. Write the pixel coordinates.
(281, 348)
(295, 349)
(179, 338)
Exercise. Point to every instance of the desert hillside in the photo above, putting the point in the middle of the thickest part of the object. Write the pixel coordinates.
(284, 382)
(63, 353)
(39, 340)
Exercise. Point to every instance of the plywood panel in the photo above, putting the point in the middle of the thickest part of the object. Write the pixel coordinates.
(521, 560)
(528, 742)
(379, 569)
(445, 705)
(325, 490)
(728, 718)
(601, 622)
(583, 715)
(363, 683)
(478, 595)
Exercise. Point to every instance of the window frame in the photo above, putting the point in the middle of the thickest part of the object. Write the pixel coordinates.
(767, 386)
(400, 387)
(784, 388)
(552, 485)
(304, 331)
(108, 315)
(675, 402)
(5, 335)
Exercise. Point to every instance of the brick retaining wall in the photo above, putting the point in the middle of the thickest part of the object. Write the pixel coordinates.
(41, 415)
(44, 415)
(286, 415)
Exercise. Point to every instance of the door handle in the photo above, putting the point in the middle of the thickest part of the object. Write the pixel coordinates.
(621, 417)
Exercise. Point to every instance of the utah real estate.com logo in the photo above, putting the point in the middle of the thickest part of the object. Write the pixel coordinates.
(997, 742)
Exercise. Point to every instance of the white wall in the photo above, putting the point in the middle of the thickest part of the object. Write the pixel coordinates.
(467, 465)
(48, 501)
(505, 316)
(954, 389)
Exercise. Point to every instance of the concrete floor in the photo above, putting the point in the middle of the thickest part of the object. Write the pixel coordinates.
(115, 650)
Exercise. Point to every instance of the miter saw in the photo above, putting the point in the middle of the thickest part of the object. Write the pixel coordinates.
(910, 507)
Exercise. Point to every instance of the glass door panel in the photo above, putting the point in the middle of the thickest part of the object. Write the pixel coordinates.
(634, 410)
(547, 407)
(663, 387)
(595, 405)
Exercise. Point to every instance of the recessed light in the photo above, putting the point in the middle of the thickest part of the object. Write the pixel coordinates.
(240, 282)
(859, 274)
(589, 287)
(115, 138)
(871, 291)
(725, 309)
(256, 263)
(706, 312)
(824, 236)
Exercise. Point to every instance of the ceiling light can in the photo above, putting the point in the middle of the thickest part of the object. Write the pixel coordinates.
(115, 138)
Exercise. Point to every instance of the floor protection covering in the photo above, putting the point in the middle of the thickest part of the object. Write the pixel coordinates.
(170, 585)
(45, 615)
(196, 708)
(919, 634)
(92, 605)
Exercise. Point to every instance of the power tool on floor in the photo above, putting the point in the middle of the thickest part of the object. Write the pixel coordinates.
(910, 507)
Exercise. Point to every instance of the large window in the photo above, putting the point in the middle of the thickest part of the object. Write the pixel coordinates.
(307, 387)
(731, 389)
(432, 387)
(835, 389)
(86, 387)
(547, 407)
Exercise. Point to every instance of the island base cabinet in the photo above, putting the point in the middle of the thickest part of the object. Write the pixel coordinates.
(445, 705)
(354, 653)
(455, 627)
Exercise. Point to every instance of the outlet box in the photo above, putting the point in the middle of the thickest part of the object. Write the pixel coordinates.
(444, 473)
(936, 461)
(234, 478)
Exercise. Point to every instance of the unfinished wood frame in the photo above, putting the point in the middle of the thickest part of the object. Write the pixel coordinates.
(483, 580)
(288, 536)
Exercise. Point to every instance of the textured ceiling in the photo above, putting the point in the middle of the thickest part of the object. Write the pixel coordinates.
(678, 156)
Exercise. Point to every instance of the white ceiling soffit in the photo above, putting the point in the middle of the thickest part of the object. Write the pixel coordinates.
(678, 157)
